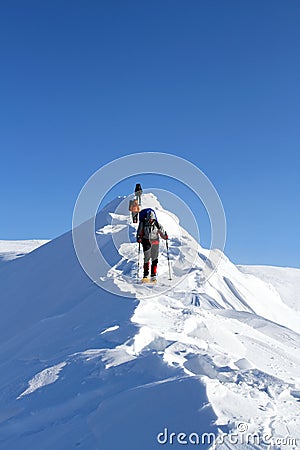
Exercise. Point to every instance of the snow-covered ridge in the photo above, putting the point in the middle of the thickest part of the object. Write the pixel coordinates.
(10, 250)
(81, 367)
(286, 280)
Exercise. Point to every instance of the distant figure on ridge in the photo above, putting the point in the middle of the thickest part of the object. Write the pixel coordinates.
(135, 209)
(138, 193)
(148, 233)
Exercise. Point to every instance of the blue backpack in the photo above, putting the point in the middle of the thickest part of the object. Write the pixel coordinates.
(143, 214)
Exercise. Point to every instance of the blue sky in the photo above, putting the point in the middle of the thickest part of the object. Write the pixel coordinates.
(216, 82)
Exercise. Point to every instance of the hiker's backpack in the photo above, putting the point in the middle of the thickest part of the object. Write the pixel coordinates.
(130, 205)
(135, 208)
(143, 214)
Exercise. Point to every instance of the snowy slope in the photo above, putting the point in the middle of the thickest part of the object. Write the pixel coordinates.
(85, 368)
(15, 249)
(286, 280)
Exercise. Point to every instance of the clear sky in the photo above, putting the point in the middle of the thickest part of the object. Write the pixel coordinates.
(216, 82)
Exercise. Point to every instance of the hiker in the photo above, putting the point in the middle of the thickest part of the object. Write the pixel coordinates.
(148, 233)
(138, 193)
(135, 209)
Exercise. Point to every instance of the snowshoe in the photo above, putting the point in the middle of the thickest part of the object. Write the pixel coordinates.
(153, 279)
(146, 280)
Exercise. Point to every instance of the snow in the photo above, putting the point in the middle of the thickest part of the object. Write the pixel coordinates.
(83, 367)
(43, 378)
(10, 250)
(112, 328)
(108, 229)
(285, 280)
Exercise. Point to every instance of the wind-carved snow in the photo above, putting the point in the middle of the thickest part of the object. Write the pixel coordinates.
(235, 342)
(43, 378)
(108, 229)
(183, 354)
(109, 329)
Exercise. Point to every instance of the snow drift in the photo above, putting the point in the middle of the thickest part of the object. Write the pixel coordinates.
(84, 368)
(10, 250)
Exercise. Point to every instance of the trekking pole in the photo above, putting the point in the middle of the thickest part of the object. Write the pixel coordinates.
(138, 264)
(168, 256)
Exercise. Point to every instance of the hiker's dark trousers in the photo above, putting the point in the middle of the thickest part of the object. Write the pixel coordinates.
(150, 249)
